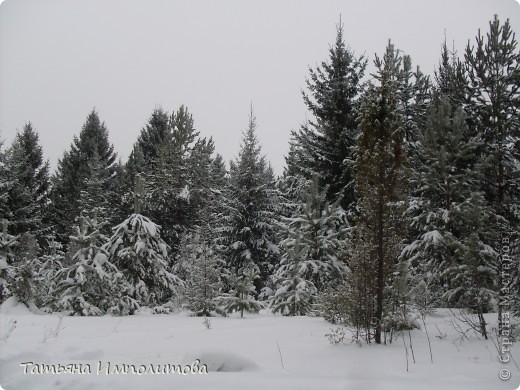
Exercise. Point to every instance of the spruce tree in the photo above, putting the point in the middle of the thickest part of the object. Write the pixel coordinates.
(92, 198)
(312, 241)
(86, 288)
(5, 182)
(73, 169)
(7, 245)
(450, 78)
(241, 297)
(203, 284)
(248, 231)
(51, 262)
(324, 144)
(138, 251)
(152, 136)
(145, 154)
(28, 178)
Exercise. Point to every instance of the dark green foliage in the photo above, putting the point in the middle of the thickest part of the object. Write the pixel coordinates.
(73, 172)
(241, 297)
(138, 251)
(247, 231)
(178, 188)
(203, 284)
(27, 184)
(88, 287)
(325, 143)
(493, 73)
(380, 172)
(312, 241)
(152, 136)
(493, 89)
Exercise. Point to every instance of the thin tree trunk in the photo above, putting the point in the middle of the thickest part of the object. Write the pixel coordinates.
(428, 337)
(380, 271)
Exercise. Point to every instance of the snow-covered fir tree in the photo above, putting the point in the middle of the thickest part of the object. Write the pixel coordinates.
(415, 95)
(138, 251)
(472, 270)
(203, 283)
(312, 241)
(4, 181)
(86, 288)
(24, 271)
(295, 294)
(248, 226)
(241, 297)
(51, 262)
(8, 243)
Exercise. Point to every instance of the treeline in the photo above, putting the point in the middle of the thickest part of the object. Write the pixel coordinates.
(401, 194)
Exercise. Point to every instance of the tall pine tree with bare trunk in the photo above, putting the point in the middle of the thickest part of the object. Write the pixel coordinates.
(380, 172)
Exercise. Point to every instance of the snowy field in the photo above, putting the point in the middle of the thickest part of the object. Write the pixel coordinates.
(240, 354)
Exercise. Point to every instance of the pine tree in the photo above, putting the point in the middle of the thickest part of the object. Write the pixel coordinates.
(359, 293)
(177, 186)
(493, 71)
(445, 179)
(295, 294)
(472, 269)
(324, 144)
(449, 238)
(380, 161)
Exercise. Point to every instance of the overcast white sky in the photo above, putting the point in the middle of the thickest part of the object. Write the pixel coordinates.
(59, 59)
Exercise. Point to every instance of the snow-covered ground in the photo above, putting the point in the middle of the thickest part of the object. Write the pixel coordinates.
(240, 354)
